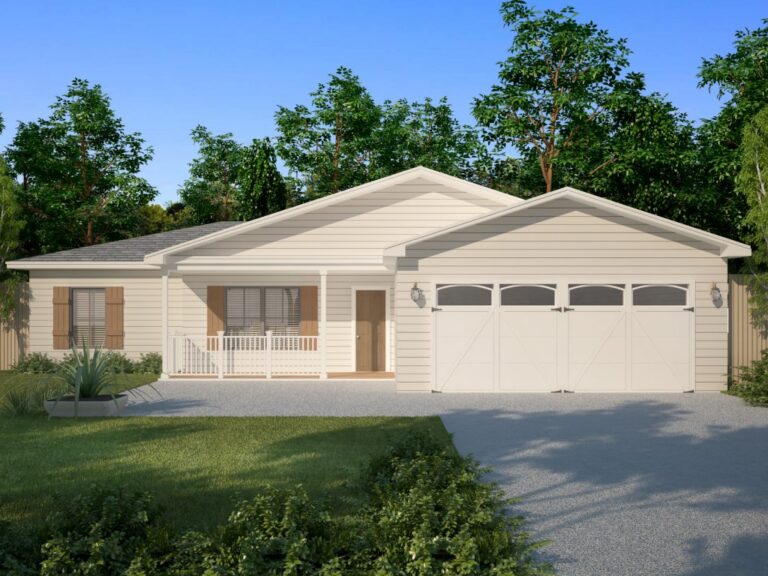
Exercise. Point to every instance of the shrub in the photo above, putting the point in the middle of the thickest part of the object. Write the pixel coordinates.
(430, 513)
(151, 363)
(752, 382)
(99, 533)
(35, 363)
(118, 362)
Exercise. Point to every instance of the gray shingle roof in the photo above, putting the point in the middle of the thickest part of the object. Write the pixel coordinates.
(133, 249)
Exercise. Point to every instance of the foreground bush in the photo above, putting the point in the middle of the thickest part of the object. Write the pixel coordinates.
(428, 514)
(118, 363)
(752, 383)
(35, 363)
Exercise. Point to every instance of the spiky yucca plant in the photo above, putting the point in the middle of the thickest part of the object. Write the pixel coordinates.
(87, 375)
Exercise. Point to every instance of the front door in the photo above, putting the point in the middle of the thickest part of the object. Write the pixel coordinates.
(370, 330)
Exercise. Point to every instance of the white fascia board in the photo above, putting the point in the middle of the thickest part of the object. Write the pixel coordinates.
(52, 265)
(293, 269)
(728, 248)
(330, 200)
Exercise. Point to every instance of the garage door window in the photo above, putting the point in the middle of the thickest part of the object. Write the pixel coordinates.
(464, 294)
(527, 294)
(596, 294)
(659, 294)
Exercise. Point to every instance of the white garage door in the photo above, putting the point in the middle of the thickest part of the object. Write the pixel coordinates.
(525, 338)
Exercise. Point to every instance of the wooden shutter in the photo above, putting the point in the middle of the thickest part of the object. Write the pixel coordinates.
(61, 324)
(114, 338)
(308, 318)
(216, 310)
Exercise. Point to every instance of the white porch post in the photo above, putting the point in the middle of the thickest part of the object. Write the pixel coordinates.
(164, 319)
(323, 324)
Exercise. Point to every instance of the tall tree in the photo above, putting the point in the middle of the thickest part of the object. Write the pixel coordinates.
(11, 224)
(424, 134)
(740, 79)
(79, 172)
(210, 191)
(261, 188)
(554, 84)
(752, 183)
(327, 146)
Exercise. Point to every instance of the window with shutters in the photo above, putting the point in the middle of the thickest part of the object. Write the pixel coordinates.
(88, 316)
(254, 310)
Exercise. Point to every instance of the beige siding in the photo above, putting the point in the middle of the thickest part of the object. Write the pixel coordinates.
(747, 342)
(359, 227)
(142, 312)
(563, 241)
(187, 306)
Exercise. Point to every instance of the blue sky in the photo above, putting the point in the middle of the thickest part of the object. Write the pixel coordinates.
(171, 65)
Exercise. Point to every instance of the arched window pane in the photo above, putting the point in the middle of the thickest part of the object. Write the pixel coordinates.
(659, 295)
(596, 295)
(464, 295)
(527, 295)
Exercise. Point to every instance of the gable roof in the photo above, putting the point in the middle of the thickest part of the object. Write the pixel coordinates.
(344, 195)
(132, 250)
(728, 248)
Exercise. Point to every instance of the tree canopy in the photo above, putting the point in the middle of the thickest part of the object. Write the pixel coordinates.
(79, 172)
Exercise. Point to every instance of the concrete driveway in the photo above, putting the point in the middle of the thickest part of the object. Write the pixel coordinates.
(621, 484)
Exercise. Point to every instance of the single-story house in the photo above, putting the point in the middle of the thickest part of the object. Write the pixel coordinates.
(439, 283)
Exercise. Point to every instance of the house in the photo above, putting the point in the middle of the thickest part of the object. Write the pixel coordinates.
(439, 283)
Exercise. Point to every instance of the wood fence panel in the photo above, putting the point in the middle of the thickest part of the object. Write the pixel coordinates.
(746, 342)
(15, 336)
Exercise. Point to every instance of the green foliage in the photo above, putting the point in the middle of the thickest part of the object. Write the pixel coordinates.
(118, 363)
(11, 225)
(88, 373)
(752, 382)
(79, 171)
(553, 86)
(752, 184)
(428, 513)
(229, 181)
(150, 363)
(36, 363)
(344, 138)
(99, 532)
(261, 189)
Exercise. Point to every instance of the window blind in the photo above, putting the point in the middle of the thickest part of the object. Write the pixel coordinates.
(254, 310)
(88, 316)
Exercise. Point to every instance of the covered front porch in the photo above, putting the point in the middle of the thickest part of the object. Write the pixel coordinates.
(274, 324)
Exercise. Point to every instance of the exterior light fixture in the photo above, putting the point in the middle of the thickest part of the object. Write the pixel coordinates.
(714, 291)
(416, 292)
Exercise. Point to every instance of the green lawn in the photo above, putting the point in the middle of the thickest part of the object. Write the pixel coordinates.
(194, 467)
(123, 382)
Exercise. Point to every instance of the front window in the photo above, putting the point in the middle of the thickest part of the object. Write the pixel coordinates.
(88, 316)
(254, 310)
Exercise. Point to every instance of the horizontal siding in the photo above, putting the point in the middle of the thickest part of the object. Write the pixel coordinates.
(187, 306)
(358, 227)
(142, 311)
(561, 242)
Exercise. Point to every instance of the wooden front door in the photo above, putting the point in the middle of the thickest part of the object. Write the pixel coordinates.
(370, 330)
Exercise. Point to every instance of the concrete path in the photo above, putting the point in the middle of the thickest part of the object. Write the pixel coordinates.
(623, 485)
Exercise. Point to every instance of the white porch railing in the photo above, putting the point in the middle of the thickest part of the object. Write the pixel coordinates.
(267, 356)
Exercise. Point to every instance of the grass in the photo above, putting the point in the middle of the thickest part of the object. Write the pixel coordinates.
(194, 467)
(123, 382)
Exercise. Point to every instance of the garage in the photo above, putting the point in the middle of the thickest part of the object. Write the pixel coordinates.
(562, 335)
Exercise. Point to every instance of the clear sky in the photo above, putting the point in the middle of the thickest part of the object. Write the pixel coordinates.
(171, 65)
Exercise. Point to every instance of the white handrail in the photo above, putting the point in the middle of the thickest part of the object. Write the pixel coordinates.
(244, 355)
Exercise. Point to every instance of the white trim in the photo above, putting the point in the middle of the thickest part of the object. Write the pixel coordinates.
(331, 199)
(387, 324)
(87, 265)
(728, 248)
(323, 304)
(164, 320)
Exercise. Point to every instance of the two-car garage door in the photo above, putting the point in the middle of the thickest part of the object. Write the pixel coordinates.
(563, 336)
